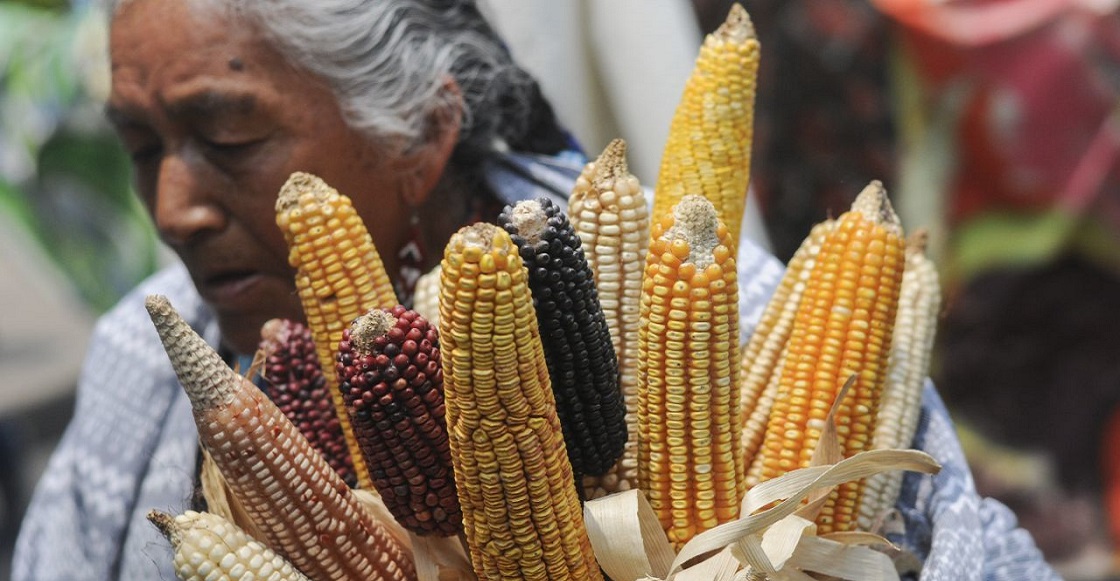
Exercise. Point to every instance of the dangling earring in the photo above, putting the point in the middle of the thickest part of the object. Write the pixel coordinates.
(410, 259)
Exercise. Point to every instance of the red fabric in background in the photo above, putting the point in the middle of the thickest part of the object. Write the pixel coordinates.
(1038, 99)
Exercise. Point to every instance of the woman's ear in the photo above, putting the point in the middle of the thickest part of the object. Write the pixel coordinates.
(423, 167)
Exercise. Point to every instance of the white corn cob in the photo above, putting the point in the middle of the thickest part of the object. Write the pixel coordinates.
(208, 547)
(425, 297)
(609, 213)
(911, 347)
(304, 509)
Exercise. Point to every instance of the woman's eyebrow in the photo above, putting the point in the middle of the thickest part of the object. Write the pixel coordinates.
(209, 103)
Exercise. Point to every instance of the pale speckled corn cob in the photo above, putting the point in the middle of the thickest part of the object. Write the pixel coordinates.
(911, 349)
(708, 150)
(609, 213)
(425, 297)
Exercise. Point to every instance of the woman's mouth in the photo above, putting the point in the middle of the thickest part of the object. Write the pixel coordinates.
(229, 288)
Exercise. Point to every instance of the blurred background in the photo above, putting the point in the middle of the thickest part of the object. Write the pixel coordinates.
(995, 124)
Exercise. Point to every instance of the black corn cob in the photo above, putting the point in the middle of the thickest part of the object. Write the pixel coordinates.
(577, 343)
(391, 379)
(294, 381)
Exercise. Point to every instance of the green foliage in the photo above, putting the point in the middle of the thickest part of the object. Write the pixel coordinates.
(62, 173)
(53, 5)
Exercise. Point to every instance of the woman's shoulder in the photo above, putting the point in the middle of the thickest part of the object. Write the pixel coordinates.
(129, 317)
(514, 176)
(124, 341)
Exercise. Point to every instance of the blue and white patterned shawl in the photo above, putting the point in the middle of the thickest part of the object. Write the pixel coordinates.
(132, 445)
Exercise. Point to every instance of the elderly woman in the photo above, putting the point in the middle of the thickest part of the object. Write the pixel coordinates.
(415, 110)
(412, 108)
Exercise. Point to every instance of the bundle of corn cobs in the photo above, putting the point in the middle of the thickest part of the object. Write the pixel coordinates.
(569, 380)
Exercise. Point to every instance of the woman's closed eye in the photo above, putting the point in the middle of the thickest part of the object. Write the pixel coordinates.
(230, 153)
(232, 146)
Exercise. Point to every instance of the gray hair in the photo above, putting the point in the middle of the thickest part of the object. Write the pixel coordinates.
(388, 62)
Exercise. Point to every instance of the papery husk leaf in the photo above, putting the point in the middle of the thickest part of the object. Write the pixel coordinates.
(861, 538)
(720, 567)
(793, 488)
(631, 546)
(780, 540)
(627, 538)
(827, 452)
(255, 366)
(441, 559)
(854, 562)
(749, 550)
(905, 561)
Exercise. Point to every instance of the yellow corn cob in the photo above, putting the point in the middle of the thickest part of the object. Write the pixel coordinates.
(762, 356)
(301, 506)
(610, 215)
(689, 464)
(339, 276)
(911, 348)
(521, 512)
(425, 298)
(708, 151)
(842, 328)
(207, 547)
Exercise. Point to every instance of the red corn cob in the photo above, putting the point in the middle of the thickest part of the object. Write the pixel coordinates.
(294, 380)
(392, 383)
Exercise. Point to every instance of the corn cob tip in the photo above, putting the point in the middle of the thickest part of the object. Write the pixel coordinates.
(530, 220)
(272, 330)
(874, 204)
(737, 27)
(207, 379)
(368, 327)
(697, 223)
(482, 236)
(158, 305)
(918, 241)
(298, 184)
(275, 333)
(165, 523)
(611, 164)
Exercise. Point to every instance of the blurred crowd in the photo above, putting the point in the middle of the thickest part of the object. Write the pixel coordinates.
(993, 124)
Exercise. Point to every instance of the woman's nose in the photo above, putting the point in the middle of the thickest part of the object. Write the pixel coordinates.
(185, 205)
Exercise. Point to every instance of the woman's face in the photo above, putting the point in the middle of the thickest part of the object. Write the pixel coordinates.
(215, 122)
